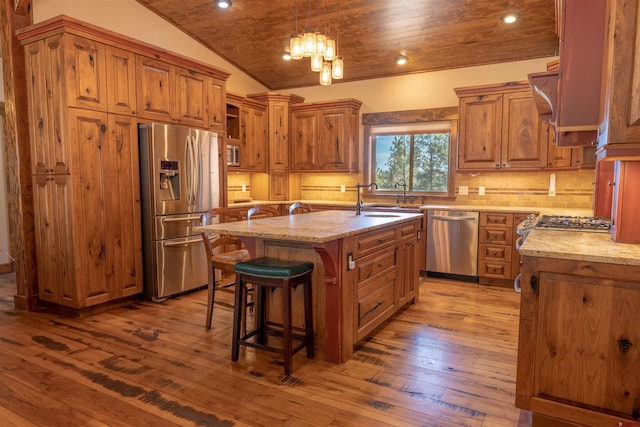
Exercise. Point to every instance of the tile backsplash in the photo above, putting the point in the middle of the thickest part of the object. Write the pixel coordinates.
(573, 189)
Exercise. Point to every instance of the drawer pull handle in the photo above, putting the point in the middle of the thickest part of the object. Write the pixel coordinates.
(372, 309)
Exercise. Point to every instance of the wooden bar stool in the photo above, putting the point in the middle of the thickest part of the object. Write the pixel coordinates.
(271, 273)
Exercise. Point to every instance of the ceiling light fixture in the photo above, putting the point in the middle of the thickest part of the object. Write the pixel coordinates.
(286, 56)
(401, 59)
(320, 47)
(223, 4)
(510, 18)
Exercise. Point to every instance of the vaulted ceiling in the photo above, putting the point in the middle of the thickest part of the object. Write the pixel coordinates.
(434, 34)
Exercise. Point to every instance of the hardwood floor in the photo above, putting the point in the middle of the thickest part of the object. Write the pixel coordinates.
(449, 360)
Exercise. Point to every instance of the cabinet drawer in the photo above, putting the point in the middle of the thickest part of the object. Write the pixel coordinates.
(374, 303)
(372, 265)
(494, 269)
(494, 253)
(373, 240)
(409, 229)
(500, 236)
(496, 219)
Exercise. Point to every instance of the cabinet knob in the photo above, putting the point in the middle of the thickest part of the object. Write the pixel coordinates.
(535, 286)
(625, 345)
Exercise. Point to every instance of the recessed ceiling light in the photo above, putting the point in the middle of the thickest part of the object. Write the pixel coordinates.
(510, 18)
(223, 4)
(286, 56)
(401, 59)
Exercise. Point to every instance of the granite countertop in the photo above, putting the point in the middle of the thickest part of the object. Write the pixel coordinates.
(316, 227)
(579, 246)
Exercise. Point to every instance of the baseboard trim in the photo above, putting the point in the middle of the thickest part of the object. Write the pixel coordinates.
(6, 268)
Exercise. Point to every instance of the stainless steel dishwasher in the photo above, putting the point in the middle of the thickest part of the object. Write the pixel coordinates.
(452, 244)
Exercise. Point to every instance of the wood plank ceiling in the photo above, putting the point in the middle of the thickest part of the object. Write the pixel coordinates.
(434, 34)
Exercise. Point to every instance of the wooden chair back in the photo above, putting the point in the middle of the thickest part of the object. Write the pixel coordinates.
(299, 207)
(260, 211)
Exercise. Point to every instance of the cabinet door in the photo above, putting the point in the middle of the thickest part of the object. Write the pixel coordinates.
(278, 185)
(156, 89)
(587, 339)
(480, 132)
(408, 272)
(123, 236)
(279, 136)
(557, 157)
(121, 78)
(216, 105)
(619, 131)
(334, 141)
(92, 184)
(43, 156)
(55, 235)
(191, 91)
(304, 137)
(521, 145)
(253, 134)
(85, 69)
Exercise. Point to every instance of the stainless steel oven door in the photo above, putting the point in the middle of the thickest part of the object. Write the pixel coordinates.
(181, 266)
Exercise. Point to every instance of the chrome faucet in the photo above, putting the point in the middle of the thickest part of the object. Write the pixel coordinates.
(402, 184)
(359, 202)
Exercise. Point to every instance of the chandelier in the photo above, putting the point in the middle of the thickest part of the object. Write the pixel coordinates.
(321, 48)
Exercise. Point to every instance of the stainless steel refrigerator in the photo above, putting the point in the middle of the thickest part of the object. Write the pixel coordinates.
(180, 179)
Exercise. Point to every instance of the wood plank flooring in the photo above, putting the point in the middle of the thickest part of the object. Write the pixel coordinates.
(449, 360)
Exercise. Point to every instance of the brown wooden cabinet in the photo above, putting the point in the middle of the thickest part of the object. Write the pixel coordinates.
(324, 136)
(619, 130)
(216, 104)
(85, 87)
(121, 81)
(495, 246)
(253, 137)
(578, 343)
(499, 128)
(385, 274)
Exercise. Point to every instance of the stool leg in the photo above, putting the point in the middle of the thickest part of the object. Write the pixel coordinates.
(286, 327)
(308, 319)
(211, 297)
(260, 310)
(237, 314)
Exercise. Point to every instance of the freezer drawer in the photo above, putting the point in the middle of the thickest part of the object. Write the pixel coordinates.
(180, 266)
(452, 242)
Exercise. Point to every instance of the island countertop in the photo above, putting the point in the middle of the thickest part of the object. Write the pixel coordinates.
(314, 227)
(579, 246)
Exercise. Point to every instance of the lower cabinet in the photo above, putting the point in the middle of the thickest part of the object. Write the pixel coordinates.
(88, 237)
(495, 244)
(386, 274)
(579, 342)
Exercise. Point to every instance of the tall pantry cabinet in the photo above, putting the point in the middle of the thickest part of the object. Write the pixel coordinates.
(85, 103)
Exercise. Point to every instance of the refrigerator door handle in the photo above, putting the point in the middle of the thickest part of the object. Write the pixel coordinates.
(180, 219)
(190, 169)
(196, 172)
(182, 242)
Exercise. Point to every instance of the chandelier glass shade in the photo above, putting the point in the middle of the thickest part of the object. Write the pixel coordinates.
(320, 47)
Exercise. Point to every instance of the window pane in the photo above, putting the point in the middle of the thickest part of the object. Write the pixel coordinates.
(392, 160)
(431, 162)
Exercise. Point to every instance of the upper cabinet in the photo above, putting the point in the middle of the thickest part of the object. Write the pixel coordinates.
(619, 133)
(499, 128)
(246, 134)
(324, 136)
(569, 98)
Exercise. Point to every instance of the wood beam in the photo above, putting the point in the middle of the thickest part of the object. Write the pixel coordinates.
(18, 157)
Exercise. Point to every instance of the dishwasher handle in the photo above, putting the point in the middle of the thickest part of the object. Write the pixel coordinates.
(454, 218)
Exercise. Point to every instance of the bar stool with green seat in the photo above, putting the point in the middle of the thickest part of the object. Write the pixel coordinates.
(271, 273)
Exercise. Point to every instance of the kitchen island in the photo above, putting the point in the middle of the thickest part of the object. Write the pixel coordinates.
(365, 267)
(579, 340)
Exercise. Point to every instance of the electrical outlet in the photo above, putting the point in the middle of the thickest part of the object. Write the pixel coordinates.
(343, 188)
(481, 190)
(244, 188)
(463, 190)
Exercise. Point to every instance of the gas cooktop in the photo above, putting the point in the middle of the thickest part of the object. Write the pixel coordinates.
(577, 223)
